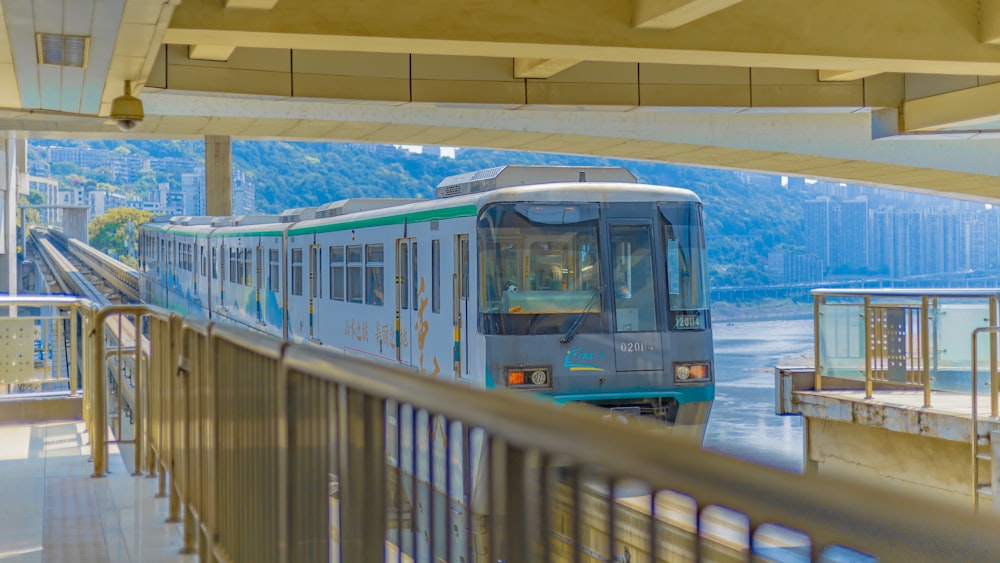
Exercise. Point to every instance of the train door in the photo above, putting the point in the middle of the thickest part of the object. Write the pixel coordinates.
(636, 336)
(407, 285)
(460, 293)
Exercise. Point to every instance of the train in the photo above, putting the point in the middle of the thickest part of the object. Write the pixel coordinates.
(579, 284)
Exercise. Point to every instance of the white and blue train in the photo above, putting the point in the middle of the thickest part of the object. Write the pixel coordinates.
(576, 283)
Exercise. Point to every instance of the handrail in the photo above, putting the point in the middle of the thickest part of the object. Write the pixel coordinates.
(975, 404)
(274, 414)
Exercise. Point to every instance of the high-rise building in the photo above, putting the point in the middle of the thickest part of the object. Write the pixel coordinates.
(244, 194)
(817, 215)
(853, 250)
(193, 190)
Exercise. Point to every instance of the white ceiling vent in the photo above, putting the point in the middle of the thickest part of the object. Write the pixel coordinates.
(62, 50)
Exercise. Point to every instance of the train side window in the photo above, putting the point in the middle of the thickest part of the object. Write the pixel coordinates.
(337, 273)
(273, 279)
(215, 267)
(296, 271)
(436, 276)
(247, 267)
(201, 260)
(464, 253)
(260, 266)
(232, 264)
(355, 281)
(240, 267)
(416, 279)
(374, 269)
(402, 274)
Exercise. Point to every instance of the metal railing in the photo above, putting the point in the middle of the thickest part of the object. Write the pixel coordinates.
(909, 339)
(280, 452)
(40, 343)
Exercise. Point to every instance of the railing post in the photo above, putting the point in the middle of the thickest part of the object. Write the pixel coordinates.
(975, 425)
(994, 379)
(817, 374)
(73, 350)
(137, 411)
(98, 434)
(925, 349)
(868, 346)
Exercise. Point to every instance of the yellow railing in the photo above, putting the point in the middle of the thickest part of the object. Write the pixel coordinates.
(39, 350)
(272, 451)
(899, 339)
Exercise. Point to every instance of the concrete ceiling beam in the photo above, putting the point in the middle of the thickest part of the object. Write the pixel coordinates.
(541, 68)
(251, 4)
(915, 36)
(210, 52)
(989, 21)
(844, 75)
(961, 108)
(671, 14)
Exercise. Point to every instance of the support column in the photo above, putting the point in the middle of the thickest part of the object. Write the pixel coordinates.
(218, 175)
(8, 232)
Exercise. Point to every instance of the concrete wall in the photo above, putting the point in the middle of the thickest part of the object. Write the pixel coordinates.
(913, 464)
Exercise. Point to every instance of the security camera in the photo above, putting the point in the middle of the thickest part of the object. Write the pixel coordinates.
(126, 124)
(126, 110)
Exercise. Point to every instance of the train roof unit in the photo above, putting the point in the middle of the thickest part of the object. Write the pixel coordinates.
(192, 221)
(297, 214)
(253, 219)
(515, 175)
(354, 205)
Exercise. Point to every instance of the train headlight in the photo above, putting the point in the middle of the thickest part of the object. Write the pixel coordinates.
(530, 377)
(692, 372)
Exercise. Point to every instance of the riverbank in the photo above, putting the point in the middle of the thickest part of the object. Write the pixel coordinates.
(763, 310)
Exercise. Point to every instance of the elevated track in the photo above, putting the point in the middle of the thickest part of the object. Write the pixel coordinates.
(72, 267)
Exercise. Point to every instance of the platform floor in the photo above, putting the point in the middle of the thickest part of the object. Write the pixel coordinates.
(51, 509)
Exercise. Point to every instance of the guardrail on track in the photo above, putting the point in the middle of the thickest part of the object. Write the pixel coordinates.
(281, 452)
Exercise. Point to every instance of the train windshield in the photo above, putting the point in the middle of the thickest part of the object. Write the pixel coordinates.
(540, 268)
(687, 268)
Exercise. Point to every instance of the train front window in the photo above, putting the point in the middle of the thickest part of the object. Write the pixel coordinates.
(540, 268)
(686, 265)
(632, 270)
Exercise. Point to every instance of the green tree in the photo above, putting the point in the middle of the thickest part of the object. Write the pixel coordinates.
(115, 233)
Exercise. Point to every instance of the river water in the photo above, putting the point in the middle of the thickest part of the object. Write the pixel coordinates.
(743, 423)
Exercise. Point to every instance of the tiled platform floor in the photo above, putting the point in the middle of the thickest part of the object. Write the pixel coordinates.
(51, 509)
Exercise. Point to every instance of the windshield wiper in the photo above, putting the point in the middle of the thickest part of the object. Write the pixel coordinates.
(579, 318)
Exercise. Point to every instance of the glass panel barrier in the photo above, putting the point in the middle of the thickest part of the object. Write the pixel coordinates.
(842, 341)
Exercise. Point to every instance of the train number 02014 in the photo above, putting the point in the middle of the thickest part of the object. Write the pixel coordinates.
(635, 347)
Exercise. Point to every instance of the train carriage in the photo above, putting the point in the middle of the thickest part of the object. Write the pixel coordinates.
(574, 283)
